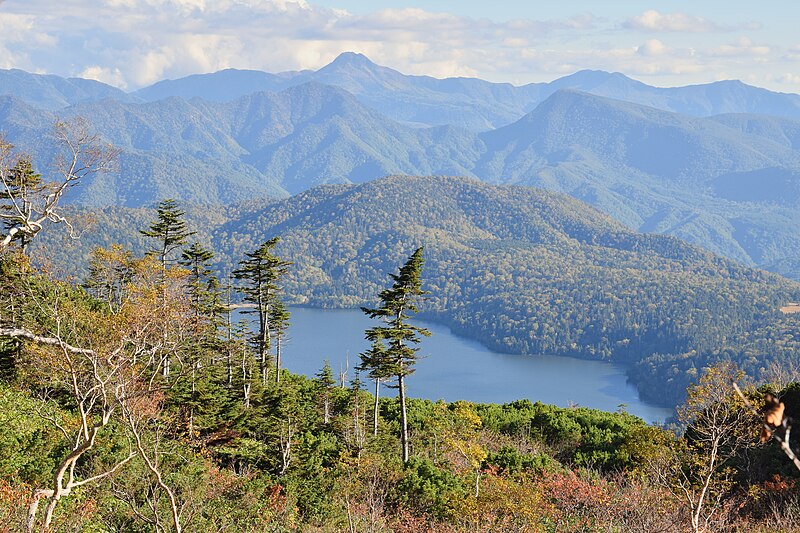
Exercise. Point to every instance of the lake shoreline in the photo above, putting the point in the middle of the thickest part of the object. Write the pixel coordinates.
(457, 367)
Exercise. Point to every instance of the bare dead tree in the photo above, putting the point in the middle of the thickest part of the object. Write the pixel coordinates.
(139, 406)
(92, 381)
(108, 366)
(26, 210)
(286, 435)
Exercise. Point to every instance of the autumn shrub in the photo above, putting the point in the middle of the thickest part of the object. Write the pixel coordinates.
(429, 489)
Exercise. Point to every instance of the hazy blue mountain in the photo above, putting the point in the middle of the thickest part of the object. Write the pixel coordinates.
(674, 148)
(472, 103)
(728, 183)
(26, 126)
(695, 178)
(313, 134)
(727, 96)
(221, 86)
(420, 101)
(263, 144)
(168, 149)
(52, 92)
(780, 130)
(416, 100)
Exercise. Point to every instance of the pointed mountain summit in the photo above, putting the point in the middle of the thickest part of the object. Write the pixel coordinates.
(351, 60)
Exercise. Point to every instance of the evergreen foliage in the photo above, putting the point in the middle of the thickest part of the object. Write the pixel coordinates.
(204, 288)
(22, 184)
(261, 273)
(392, 352)
(169, 230)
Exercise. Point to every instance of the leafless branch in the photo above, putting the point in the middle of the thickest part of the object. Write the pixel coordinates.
(784, 442)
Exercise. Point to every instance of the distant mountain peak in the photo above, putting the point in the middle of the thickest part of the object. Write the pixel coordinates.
(349, 63)
(352, 58)
(352, 61)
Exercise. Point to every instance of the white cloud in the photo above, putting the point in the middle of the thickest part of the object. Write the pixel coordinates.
(790, 79)
(743, 47)
(516, 42)
(652, 20)
(651, 48)
(133, 43)
(106, 75)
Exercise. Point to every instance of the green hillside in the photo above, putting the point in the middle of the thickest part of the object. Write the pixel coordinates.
(520, 269)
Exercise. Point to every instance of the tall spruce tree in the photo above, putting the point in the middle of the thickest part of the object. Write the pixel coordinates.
(392, 353)
(279, 322)
(372, 363)
(169, 230)
(204, 289)
(325, 382)
(170, 233)
(261, 272)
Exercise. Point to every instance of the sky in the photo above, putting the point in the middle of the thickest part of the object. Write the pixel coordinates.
(134, 43)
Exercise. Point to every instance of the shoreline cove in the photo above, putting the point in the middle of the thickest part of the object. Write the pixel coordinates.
(453, 368)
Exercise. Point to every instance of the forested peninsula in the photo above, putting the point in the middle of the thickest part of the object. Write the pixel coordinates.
(519, 269)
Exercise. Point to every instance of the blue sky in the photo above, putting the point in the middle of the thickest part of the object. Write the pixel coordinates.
(133, 43)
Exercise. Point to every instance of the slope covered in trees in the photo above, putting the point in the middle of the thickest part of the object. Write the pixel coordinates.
(522, 270)
(98, 434)
(726, 183)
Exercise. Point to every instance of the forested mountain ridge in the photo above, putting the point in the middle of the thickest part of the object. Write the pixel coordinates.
(659, 172)
(520, 269)
(51, 92)
(726, 183)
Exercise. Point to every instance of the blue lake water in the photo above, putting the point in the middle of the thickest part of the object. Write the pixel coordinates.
(454, 368)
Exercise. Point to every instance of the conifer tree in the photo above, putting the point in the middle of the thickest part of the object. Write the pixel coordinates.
(170, 233)
(279, 322)
(203, 287)
(261, 271)
(326, 382)
(169, 230)
(392, 353)
(372, 363)
(357, 439)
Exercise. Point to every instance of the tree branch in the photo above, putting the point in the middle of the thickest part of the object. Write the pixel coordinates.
(22, 333)
(784, 442)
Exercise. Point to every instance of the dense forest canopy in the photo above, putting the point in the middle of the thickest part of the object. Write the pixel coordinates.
(517, 268)
(129, 403)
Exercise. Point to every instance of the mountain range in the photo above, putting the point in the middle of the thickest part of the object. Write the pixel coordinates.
(471, 103)
(729, 182)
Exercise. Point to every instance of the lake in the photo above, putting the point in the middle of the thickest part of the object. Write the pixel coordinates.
(454, 368)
